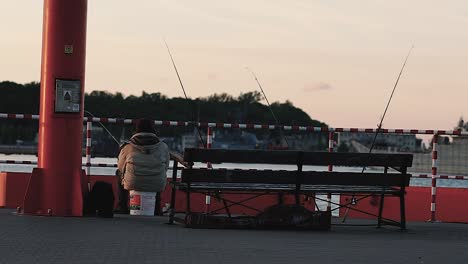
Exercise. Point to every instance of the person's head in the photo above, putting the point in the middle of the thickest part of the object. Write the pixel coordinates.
(145, 125)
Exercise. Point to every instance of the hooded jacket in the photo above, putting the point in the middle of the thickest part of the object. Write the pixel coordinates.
(143, 163)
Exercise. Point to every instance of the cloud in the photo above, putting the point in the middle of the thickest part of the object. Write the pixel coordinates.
(212, 76)
(322, 86)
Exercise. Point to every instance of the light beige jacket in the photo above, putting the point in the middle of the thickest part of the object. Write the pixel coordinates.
(143, 167)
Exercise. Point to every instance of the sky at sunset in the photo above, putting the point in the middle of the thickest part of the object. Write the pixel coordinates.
(337, 60)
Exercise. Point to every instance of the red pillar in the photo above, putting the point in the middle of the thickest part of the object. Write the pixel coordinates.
(56, 186)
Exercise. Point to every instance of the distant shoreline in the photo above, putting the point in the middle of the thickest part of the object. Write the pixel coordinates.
(22, 150)
(18, 149)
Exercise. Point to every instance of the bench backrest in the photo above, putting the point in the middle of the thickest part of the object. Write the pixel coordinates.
(298, 157)
(217, 156)
(400, 161)
(294, 177)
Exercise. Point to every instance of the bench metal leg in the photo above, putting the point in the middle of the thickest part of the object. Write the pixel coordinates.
(226, 207)
(172, 208)
(173, 193)
(382, 198)
(379, 220)
(402, 210)
(187, 209)
(280, 198)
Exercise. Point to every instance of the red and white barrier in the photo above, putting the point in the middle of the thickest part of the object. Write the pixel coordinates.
(19, 116)
(210, 126)
(445, 177)
(434, 175)
(23, 162)
(101, 165)
(89, 126)
(209, 142)
(255, 126)
(330, 167)
(29, 162)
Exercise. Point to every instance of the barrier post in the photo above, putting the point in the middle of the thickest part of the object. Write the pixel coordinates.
(209, 141)
(434, 177)
(89, 126)
(330, 167)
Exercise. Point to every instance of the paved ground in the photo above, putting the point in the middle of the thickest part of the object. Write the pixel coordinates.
(127, 239)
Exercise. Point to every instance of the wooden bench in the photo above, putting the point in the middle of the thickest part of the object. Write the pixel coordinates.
(218, 182)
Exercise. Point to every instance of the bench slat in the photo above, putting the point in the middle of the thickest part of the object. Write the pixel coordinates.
(287, 188)
(238, 176)
(297, 157)
(240, 156)
(355, 178)
(290, 177)
(357, 159)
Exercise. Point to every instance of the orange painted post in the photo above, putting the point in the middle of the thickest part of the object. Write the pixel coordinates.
(57, 185)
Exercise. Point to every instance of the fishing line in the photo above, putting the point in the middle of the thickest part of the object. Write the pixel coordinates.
(183, 89)
(388, 103)
(264, 95)
(379, 126)
(102, 125)
(268, 103)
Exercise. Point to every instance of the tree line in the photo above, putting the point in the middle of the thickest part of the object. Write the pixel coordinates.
(245, 108)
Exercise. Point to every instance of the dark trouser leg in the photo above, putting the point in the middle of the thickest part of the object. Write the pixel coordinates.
(123, 199)
(157, 206)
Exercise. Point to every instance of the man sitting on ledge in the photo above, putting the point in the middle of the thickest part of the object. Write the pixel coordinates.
(142, 163)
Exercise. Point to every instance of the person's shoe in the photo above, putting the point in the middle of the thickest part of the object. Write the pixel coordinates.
(122, 211)
(105, 214)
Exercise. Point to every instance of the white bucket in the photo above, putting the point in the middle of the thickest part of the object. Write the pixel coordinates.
(142, 203)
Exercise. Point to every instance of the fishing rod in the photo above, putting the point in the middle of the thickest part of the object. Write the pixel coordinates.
(268, 103)
(379, 126)
(110, 134)
(124, 143)
(183, 89)
(388, 103)
(102, 125)
(264, 95)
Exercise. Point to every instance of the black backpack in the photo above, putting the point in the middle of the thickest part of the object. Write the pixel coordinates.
(101, 200)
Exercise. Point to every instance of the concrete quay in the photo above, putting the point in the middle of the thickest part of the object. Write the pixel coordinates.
(132, 239)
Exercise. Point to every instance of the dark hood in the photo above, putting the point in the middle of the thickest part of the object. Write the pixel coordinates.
(144, 139)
